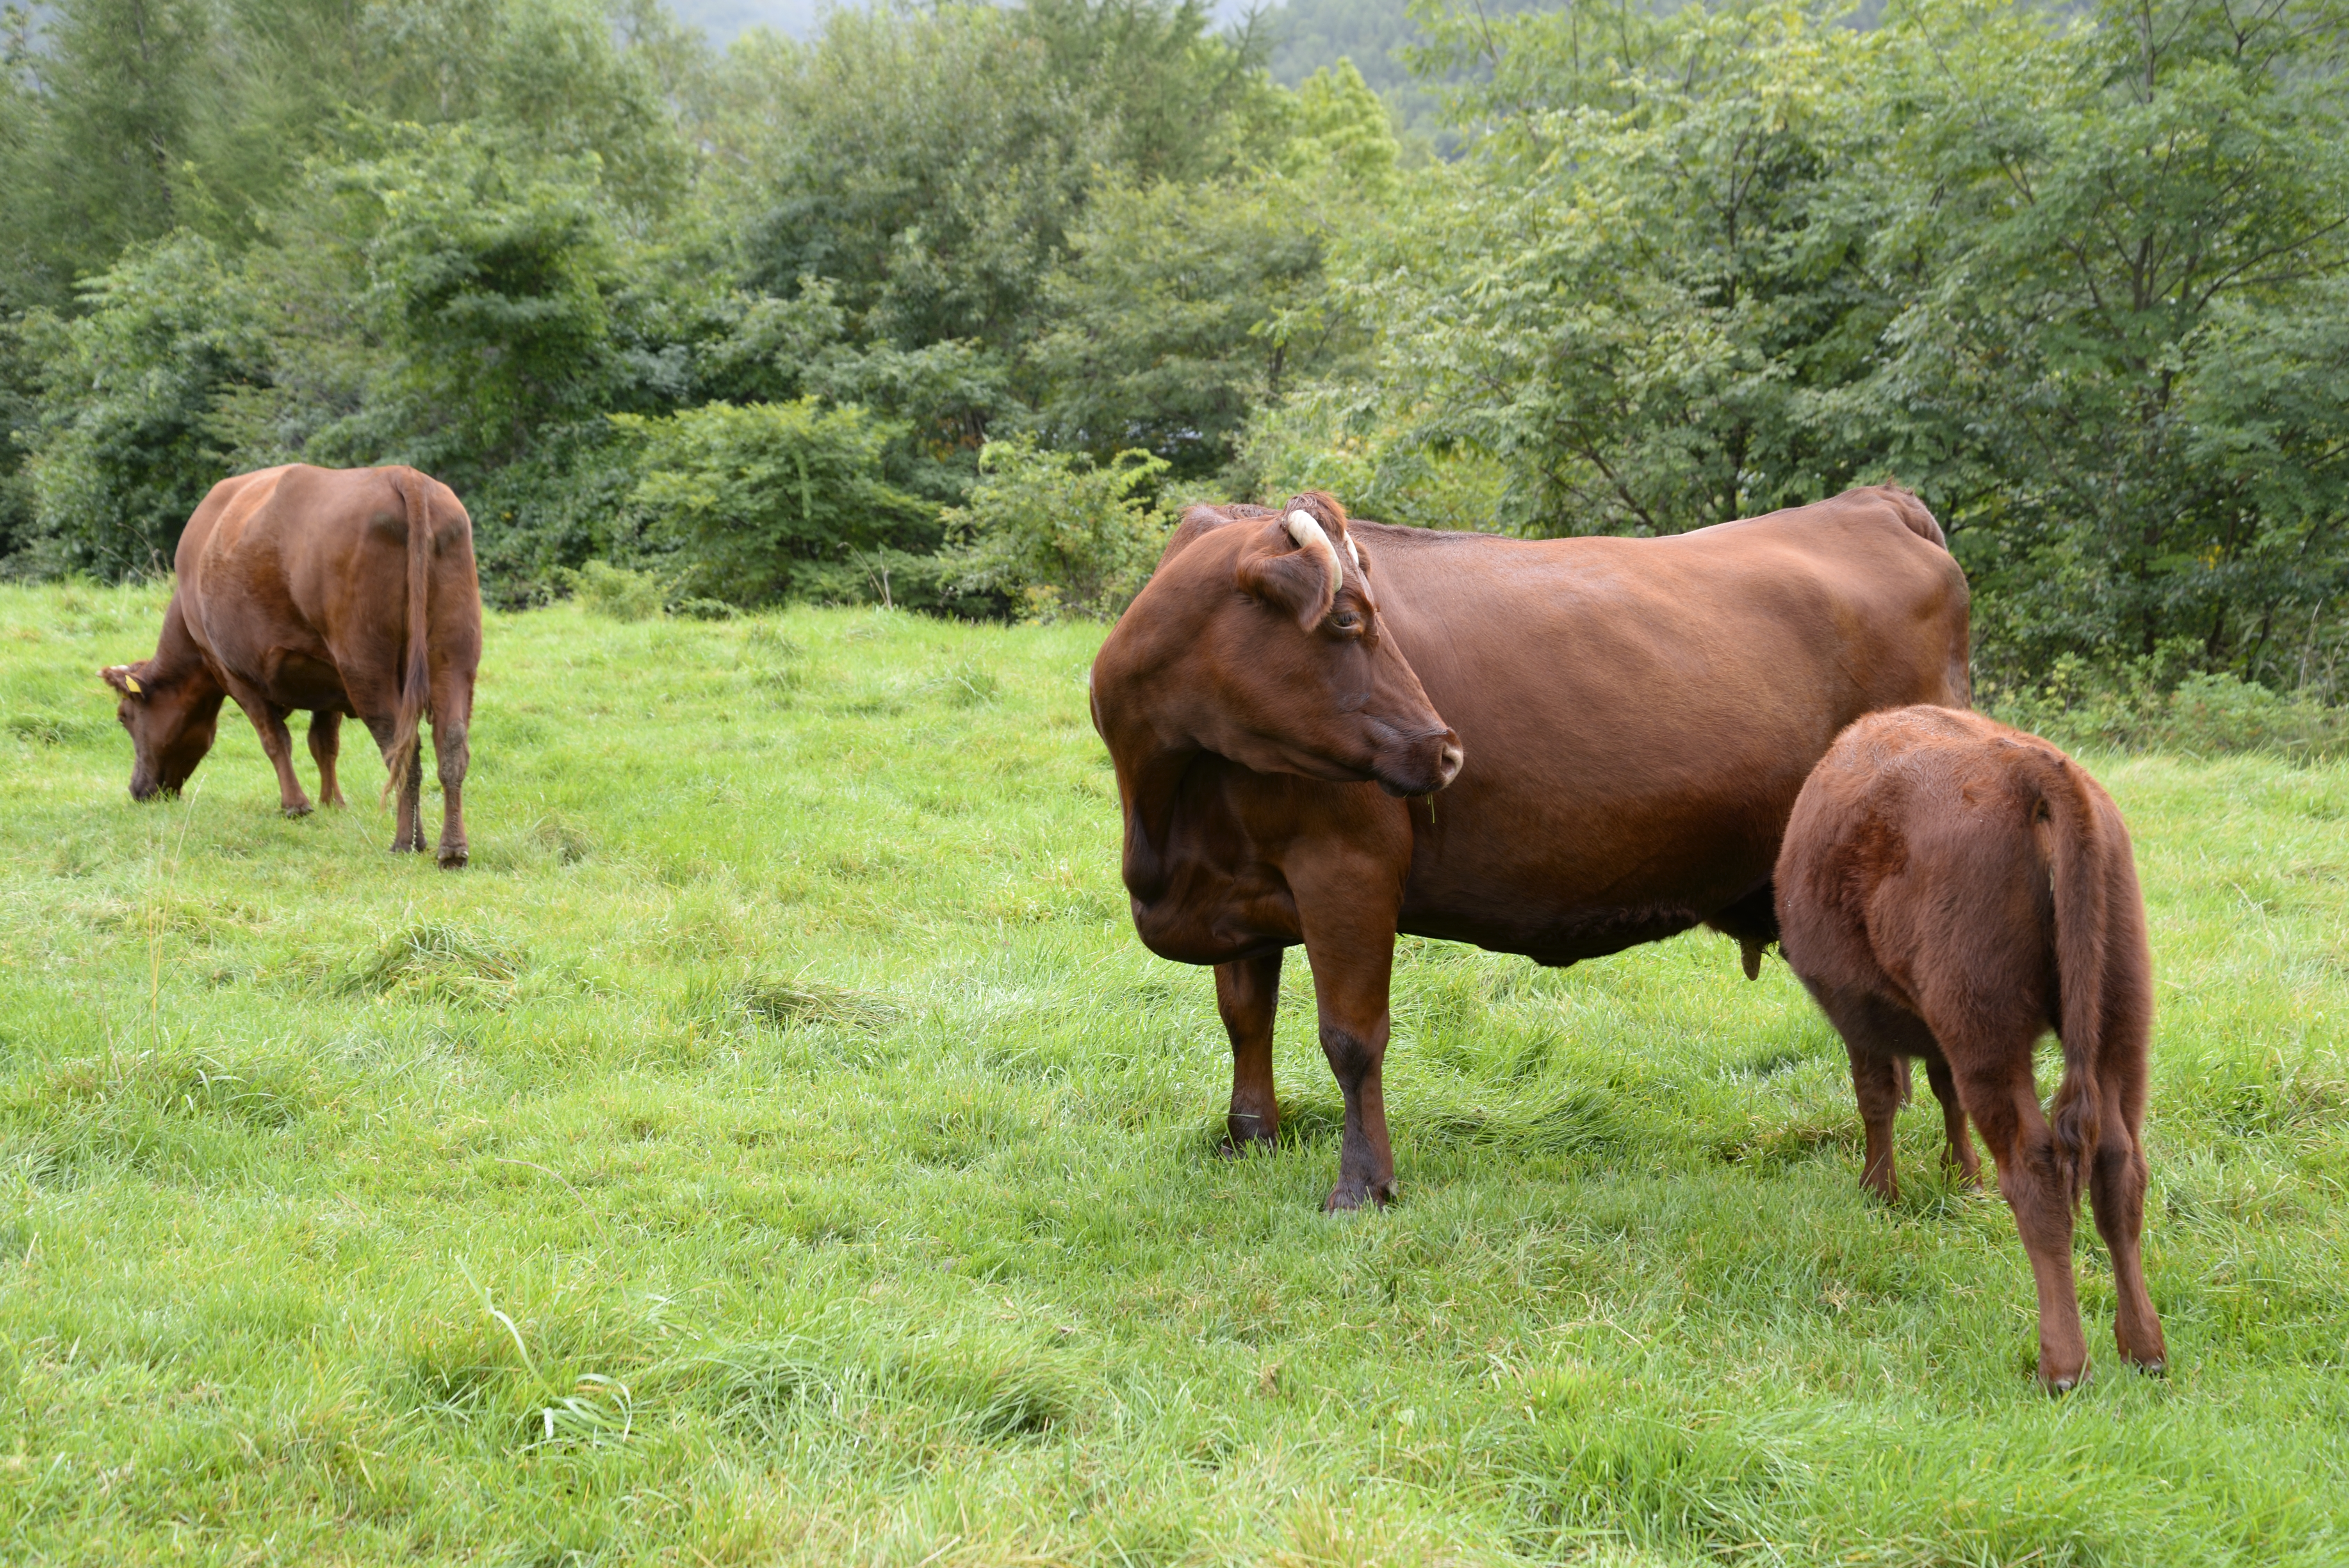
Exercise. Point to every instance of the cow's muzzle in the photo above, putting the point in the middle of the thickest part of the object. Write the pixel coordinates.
(1419, 764)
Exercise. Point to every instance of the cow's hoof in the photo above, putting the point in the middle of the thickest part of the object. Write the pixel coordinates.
(452, 860)
(1241, 1148)
(1348, 1196)
(299, 809)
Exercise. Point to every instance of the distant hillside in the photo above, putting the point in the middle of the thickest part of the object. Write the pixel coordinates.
(1310, 34)
(722, 20)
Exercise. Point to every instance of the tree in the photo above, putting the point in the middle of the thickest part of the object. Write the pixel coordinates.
(129, 440)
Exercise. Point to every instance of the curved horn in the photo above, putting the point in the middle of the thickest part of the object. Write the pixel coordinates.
(1307, 530)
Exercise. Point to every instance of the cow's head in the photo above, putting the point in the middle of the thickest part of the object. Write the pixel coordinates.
(172, 720)
(1260, 639)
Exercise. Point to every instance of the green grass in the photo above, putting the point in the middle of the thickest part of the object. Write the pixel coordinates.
(777, 1148)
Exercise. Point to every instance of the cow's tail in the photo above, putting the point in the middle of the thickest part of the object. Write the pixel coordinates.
(2083, 884)
(414, 676)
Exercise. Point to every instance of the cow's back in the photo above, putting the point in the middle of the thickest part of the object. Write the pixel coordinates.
(295, 577)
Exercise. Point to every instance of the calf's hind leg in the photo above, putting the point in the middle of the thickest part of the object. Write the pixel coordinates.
(1247, 995)
(1958, 1144)
(2116, 1179)
(2001, 1095)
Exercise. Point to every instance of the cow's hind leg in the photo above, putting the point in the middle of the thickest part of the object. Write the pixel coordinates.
(1247, 994)
(325, 747)
(406, 835)
(2116, 1179)
(452, 712)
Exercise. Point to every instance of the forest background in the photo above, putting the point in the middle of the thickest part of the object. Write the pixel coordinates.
(950, 308)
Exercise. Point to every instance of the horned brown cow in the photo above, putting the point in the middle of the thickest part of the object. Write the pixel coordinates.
(338, 592)
(1950, 889)
(1636, 715)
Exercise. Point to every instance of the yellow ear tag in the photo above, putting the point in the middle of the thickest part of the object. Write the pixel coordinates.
(132, 682)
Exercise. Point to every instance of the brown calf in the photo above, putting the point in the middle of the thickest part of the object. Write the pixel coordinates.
(1953, 889)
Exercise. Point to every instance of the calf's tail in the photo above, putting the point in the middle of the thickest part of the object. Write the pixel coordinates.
(415, 677)
(2082, 884)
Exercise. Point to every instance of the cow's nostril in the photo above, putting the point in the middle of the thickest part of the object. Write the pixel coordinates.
(1452, 758)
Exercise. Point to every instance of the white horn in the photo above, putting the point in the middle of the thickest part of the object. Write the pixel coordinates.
(1306, 528)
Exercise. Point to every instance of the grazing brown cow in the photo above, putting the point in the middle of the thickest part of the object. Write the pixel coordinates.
(1953, 889)
(1637, 716)
(334, 591)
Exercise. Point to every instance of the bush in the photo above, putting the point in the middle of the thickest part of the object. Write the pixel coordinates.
(2147, 706)
(749, 499)
(1053, 534)
(618, 592)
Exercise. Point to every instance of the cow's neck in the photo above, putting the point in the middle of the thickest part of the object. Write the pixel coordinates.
(1149, 788)
(178, 656)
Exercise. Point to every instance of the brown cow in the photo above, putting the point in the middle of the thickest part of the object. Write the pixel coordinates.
(1953, 889)
(1637, 714)
(335, 591)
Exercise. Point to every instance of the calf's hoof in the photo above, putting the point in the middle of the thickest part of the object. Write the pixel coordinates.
(2063, 1383)
(1349, 1195)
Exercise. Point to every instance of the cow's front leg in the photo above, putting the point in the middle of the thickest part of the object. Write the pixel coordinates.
(1248, 995)
(269, 721)
(1350, 973)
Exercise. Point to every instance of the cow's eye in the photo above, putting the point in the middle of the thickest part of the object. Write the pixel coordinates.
(1347, 621)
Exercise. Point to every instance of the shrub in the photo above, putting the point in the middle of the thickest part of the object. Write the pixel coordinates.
(748, 498)
(618, 592)
(2147, 706)
(1055, 535)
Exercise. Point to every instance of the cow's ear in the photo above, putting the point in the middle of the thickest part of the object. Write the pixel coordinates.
(124, 679)
(1296, 580)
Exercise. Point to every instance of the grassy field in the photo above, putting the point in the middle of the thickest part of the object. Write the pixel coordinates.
(777, 1148)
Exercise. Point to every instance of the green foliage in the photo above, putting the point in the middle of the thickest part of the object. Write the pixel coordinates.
(488, 285)
(619, 593)
(129, 437)
(747, 498)
(1055, 535)
(2078, 284)
(2161, 703)
(1182, 311)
